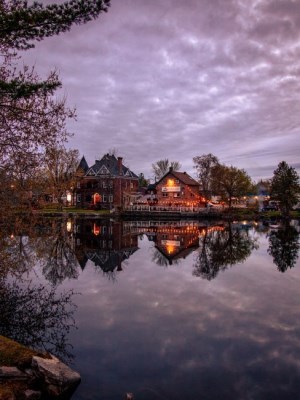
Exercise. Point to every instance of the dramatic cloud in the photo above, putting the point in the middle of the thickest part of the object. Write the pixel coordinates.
(175, 79)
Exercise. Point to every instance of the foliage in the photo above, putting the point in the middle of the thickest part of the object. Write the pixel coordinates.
(31, 119)
(204, 165)
(285, 187)
(21, 24)
(220, 248)
(60, 169)
(143, 182)
(230, 182)
(284, 247)
(161, 167)
(37, 317)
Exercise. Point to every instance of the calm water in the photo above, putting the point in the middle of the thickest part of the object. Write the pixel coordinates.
(179, 310)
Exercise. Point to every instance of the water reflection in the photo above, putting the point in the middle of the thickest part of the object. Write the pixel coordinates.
(37, 316)
(63, 247)
(108, 244)
(284, 246)
(222, 246)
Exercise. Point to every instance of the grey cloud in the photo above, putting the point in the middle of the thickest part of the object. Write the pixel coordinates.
(178, 79)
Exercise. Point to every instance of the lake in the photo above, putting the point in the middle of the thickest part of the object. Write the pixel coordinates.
(160, 309)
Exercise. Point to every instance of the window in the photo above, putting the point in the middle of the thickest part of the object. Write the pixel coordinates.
(176, 194)
(78, 185)
(104, 198)
(104, 184)
(78, 198)
(110, 198)
(131, 185)
(110, 184)
(165, 194)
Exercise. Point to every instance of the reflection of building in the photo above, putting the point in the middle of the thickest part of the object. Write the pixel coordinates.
(106, 184)
(176, 242)
(178, 188)
(106, 243)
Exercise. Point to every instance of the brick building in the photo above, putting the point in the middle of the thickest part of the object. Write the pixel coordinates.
(104, 185)
(178, 188)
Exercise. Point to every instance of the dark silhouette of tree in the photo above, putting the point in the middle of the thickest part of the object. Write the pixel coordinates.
(222, 248)
(204, 166)
(284, 247)
(285, 187)
(37, 317)
(31, 119)
(230, 182)
(21, 24)
(161, 167)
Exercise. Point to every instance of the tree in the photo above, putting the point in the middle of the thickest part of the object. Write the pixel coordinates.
(204, 166)
(284, 247)
(161, 167)
(285, 187)
(30, 117)
(230, 182)
(21, 24)
(221, 248)
(60, 169)
(143, 182)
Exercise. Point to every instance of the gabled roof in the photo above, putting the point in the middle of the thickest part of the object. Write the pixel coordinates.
(83, 165)
(109, 165)
(182, 177)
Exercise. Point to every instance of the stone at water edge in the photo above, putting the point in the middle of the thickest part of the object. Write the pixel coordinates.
(57, 376)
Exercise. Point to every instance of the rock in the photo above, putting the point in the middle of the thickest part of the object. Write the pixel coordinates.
(58, 377)
(32, 395)
(12, 373)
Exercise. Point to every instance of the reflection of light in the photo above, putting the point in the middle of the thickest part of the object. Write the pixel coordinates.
(69, 197)
(12, 236)
(69, 226)
(96, 230)
(170, 249)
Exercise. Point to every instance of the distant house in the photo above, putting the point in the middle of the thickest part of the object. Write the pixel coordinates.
(178, 188)
(106, 184)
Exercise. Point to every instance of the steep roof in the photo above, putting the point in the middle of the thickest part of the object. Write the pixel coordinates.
(83, 165)
(109, 165)
(182, 177)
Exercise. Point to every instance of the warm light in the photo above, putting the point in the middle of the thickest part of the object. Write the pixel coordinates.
(170, 182)
(170, 249)
(69, 226)
(69, 197)
(96, 230)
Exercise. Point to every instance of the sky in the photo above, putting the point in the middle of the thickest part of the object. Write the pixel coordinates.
(156, 79)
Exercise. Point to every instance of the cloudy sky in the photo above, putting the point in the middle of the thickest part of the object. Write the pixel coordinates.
(176, 79)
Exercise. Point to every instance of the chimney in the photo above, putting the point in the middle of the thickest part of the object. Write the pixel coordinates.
(120, 165)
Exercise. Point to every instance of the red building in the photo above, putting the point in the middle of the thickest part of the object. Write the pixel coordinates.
(178, 188)
(106, 184)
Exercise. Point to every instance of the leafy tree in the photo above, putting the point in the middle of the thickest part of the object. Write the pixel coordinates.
(284, 247)
(60, 170)
(285, 187)
(221, 248)
(161, 167)
(143, 182)
(31, 119)
(230, 182)
(204, 166)
(21, 24)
